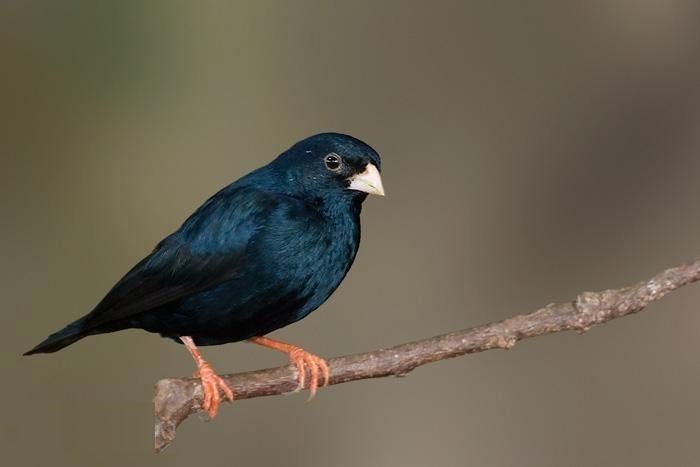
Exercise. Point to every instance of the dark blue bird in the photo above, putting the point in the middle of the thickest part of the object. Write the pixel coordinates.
(260, 254)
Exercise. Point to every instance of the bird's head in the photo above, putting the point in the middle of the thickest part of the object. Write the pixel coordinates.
(331, 165)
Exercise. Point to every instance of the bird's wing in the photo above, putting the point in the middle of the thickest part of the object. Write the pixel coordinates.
(207, 250)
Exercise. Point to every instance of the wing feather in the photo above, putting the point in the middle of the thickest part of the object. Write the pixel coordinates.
(207, 250)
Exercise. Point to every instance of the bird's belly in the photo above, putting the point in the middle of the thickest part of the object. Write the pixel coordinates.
(228, 314)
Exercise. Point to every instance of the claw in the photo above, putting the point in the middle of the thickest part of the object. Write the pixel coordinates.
(303, 361)
(316, 366)
(212, 386)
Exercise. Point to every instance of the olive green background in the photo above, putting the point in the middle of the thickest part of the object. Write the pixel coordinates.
(531, 150)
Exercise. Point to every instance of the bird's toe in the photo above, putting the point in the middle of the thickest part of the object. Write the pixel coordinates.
(315, 365)
(212, 387)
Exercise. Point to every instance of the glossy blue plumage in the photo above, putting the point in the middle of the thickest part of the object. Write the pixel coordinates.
(262, 253)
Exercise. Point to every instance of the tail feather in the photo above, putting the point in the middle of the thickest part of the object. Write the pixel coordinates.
(63, 338)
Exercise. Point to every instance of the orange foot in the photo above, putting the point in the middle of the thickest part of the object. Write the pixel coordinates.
(302, 360)
(212, 386)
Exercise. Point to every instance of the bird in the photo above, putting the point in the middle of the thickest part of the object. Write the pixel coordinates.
(260, 254)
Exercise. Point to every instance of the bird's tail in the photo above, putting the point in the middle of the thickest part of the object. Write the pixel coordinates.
(63, 338)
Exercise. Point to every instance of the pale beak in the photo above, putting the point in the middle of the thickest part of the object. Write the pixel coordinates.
(368, 181)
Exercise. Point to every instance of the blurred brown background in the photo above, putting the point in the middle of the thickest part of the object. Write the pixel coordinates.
(532, 150)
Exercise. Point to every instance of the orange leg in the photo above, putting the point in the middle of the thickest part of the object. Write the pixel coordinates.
(302, 360)
(211, 382)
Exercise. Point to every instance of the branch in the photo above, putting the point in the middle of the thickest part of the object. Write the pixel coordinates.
(177, 399)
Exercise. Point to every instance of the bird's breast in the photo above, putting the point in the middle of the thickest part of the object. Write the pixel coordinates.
(312, 257)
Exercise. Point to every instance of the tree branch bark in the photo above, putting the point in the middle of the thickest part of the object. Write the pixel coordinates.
(177, 399)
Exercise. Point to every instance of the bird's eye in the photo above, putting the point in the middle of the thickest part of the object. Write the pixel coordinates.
(333, 162)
